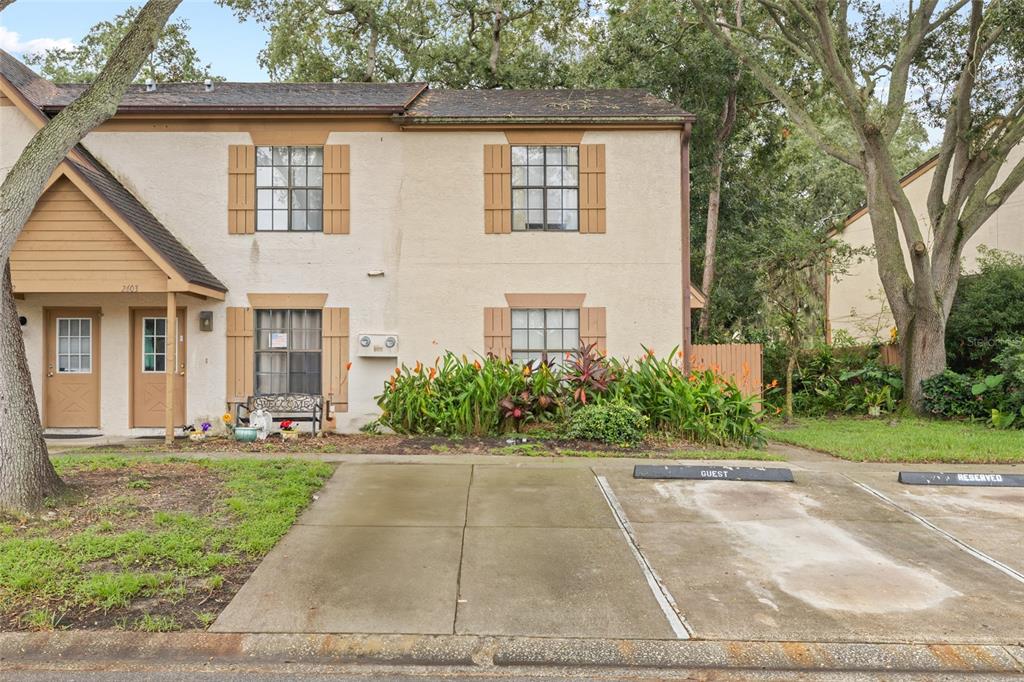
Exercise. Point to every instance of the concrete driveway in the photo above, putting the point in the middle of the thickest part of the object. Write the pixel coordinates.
(452, 549)
(581, 549)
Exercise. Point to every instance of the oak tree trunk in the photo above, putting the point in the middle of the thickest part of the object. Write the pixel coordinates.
(26, 474)
(923, 354)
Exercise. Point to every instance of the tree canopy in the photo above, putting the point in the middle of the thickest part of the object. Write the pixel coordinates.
(173, 60)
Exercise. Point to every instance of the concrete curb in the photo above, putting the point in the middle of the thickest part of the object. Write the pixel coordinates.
(61, 650)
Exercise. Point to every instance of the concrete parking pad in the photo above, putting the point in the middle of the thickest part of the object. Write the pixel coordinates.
(443, 549)
(990, 520)
(336, 579)
(818, 560)
(393, 495)
(552, 582)
(541, 497)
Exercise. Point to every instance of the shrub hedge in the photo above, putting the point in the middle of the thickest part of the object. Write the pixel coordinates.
(457, 396)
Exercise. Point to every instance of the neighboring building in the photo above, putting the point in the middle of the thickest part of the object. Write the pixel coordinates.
(284, 222)
(856, 303)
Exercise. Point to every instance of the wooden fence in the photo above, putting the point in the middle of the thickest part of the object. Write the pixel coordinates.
(740, 362)
(890, 355)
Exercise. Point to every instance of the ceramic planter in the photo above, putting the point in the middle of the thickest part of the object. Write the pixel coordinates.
(290, 435)
(245, 434)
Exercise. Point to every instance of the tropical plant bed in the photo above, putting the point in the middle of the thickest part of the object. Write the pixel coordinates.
(537, 443)
(903, 440)
(144, 544)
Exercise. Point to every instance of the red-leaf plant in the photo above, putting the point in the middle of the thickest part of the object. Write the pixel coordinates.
(588, 373)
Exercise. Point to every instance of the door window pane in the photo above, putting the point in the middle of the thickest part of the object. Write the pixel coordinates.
(74, 345)
(154, 344)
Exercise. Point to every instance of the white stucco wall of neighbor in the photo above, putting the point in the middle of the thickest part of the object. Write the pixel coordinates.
(857, 302)
(417, 216)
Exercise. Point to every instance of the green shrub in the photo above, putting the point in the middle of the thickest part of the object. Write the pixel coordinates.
(989, 306)
(701, 405)
(949, 395)
(612, 423)
(833, 380)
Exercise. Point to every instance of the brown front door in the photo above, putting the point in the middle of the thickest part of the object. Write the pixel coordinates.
(149, 367)
(71, 395)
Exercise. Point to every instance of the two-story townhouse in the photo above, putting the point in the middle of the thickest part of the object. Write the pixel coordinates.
(282, 233)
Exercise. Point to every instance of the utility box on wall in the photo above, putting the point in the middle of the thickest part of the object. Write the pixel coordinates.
(377, 345)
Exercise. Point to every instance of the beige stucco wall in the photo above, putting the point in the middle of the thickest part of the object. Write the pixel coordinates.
(417, 215)
(856, 301)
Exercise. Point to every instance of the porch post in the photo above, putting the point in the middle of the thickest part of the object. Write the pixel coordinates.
(684, 201)
(171, 365)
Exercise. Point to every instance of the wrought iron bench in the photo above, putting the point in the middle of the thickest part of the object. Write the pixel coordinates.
(297, 407)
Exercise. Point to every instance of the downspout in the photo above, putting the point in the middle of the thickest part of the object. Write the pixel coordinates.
(684, 221)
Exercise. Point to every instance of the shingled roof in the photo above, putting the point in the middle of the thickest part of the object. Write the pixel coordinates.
(544, 105)
(351, 98)
(144, 222)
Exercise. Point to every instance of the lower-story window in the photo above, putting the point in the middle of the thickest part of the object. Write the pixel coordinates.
(539, 332)
(288, 349)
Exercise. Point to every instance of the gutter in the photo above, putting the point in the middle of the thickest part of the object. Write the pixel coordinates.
(422, 120)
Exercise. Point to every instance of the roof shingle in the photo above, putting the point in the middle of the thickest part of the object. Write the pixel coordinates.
(542, 105)
(342, 97)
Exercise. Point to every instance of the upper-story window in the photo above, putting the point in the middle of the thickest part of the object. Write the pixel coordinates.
(545, 188)
(289, 189)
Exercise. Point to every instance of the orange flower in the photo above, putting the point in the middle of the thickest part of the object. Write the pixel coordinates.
(348, 365)
(392, 383)
(432, 373)
(526, 370)
(398, 371)
(476, 363)
(419, 367)
(775, 382)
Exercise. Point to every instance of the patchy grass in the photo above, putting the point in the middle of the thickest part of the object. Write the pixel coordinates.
(147, 544)
(904, 440)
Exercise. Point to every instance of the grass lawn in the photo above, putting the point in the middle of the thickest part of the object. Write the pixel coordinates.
(904, 440)
(147, 544)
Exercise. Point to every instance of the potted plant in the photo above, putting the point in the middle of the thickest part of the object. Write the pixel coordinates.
(201, 433)
(289, 430)
(243, 434)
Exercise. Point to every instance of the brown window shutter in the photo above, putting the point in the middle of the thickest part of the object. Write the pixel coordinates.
(334, 366)
(241, 189)
(240, 359)
(592, 199)
(337, 202)
(497, 188)
(593, 328)
(498, 332)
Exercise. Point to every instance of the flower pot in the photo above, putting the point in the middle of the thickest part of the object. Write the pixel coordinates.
(290, 435)
(245, 434)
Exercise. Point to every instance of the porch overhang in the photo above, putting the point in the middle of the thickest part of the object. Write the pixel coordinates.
(77, 241)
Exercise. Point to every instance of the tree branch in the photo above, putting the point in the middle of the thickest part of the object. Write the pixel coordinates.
(799, 115)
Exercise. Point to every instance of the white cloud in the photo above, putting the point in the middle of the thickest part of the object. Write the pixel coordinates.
(11, 42)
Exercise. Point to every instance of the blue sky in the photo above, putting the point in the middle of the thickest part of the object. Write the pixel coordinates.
(230, 46)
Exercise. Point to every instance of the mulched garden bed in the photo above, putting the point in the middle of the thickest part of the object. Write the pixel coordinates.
(390, 444)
